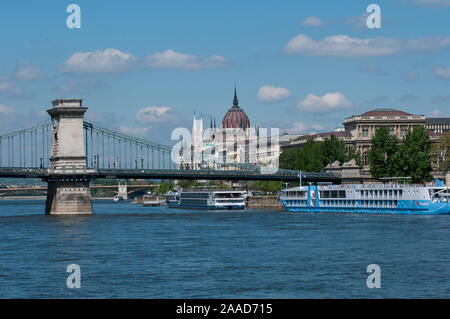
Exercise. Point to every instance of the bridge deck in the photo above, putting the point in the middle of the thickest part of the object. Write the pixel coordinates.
(235, 175)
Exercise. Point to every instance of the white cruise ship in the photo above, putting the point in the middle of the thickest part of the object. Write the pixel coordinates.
(206, 199)
(366, 198)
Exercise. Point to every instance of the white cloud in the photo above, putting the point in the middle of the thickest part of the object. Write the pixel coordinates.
(346, 46)
(6, 113)
(155, 114)
(436, 113)
(28, 72)
(328, 102)
(442, 72)
(269, 93)
(175, 60)
(359, 22)
(8, 88)
(106, 61)
(140, 131)
(312, 22)
(317, 127)
(297, 127)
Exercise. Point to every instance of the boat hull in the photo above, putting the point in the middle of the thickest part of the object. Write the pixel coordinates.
(368, 199)
(432, 209)
(225, 207)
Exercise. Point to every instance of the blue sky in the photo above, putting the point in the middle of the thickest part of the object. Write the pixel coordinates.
(144, 67)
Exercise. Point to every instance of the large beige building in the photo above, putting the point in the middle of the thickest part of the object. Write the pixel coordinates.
(359, 130)
(362, 128)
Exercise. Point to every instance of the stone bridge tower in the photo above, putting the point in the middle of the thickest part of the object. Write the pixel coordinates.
(123, 191)
(68, 185)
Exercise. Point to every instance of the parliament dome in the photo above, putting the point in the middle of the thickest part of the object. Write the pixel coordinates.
(235, 117)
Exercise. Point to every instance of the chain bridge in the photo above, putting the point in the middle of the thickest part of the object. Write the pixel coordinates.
(68, 152)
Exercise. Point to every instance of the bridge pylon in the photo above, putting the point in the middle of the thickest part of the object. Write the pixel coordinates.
(68, 182)
(123, 190)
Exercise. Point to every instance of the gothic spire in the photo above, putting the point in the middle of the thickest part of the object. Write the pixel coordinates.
(235, 100)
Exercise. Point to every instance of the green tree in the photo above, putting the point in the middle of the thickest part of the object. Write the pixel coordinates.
(314, 156)
(288, 159)
(311, 159)
(414, 156)
(164, 187)
(355, 154)
(334, 150)
(442, 152)
(381, 154)
(267, 186)
(184, 184)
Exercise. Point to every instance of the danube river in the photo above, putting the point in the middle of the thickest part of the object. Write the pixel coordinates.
(130, 251)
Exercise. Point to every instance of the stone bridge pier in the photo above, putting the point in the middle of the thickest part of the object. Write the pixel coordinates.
(68, 183)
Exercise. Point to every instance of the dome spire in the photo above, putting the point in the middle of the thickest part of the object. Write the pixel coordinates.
(235, 100)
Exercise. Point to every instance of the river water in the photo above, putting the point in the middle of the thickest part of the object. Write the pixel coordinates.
(129, 251)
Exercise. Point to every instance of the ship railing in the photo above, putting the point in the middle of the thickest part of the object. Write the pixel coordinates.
(204, 190)
(293, 197)
(372, 186)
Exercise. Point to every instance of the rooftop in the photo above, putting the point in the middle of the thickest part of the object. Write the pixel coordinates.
(385, 112)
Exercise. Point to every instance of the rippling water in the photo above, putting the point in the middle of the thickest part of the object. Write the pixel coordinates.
(130, 251)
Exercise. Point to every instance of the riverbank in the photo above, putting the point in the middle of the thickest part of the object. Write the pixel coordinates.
(265, 202)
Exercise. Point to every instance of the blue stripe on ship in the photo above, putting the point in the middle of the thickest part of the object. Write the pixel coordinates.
(403, 207)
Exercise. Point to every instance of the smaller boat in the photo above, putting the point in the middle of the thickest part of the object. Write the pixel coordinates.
(206, 199)
(118, 198)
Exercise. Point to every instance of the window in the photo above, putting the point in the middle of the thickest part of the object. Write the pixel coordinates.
(365, 159)
(365, 132)
(403, 131)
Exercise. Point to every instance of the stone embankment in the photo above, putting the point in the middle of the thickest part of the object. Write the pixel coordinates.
(269, 202)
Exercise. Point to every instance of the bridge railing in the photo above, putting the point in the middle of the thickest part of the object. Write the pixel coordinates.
(27, 147)
(106, 148)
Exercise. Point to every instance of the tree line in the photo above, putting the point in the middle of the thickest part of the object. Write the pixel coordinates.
(314, 156)
(388, 157)
(409, 157)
